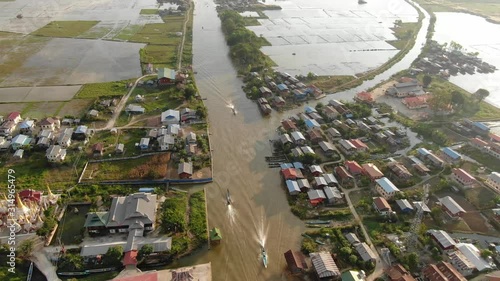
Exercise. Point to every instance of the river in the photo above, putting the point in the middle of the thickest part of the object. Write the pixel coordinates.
(260, 213)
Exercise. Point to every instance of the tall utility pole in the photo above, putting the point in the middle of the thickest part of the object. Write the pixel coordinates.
(412, 238)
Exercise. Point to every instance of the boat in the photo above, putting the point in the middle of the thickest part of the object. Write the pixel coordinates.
(319, 242)
(228, 198)
(361, 2)
(264, 257)
(317, 222)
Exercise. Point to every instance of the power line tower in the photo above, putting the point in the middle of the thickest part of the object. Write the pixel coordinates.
(412, 238)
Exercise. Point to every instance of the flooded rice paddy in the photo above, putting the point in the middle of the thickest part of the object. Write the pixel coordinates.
(332, 37)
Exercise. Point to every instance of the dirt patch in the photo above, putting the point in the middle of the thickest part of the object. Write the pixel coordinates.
(476, 222)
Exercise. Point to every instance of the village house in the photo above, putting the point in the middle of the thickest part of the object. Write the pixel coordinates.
(188, 115)
(352, 238)
(343, 174)
(265, 92)
(283, 90)
(419, 166)
(398, 273)
(166, 142)
(333, 133)
(307, 150)
(93, 113)
(364, 97)
(443, 239)
(330, 112)
(451, 155)
(416, 102)
(26, 127)
(399, 170)
(80, 133)
(18, 154)
(279, 102)
(43, 142)
(166, 76)
(467, 259)
(359, 145)
(363, 126)
(120, 148)
(452, 208)
(14, 117)
(479, 144)
(289, 173)
(144, 143)
(340, 107)
(191, 149)
(295, 261)
(320, 182)
(327, 148)
(494, 150)
(7, 128)
(480, 128)
(404, 206)
(170, 117)
(4, 144)
(316, 116)
(372, 171)
(20, 141)
(185, 170)
(293, 187)
(297, 152)
(330, 180)
(315, 135)
(286, 139)
(381, 206)
(493, 181)
(386, 188)
(174, 129)
(55, 153)
(353, 167)
(64, 139)
(405, 89)
(298, 138)
(49, 123)
(324, 265)
(347, 147)
(311, 123)
(127, 214)
(315, 170)
(134, 109)
(365, 252)
(333, 195)
(98, 149)
(191, 138)
(304, 185)
(463, 177)
(316, 196)
(494, 137)
(443, 271)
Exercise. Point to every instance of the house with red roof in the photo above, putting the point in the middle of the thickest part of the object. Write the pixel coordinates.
(478, 143)
(130, 258)
(494, 137)
(381, 206)
(353, 167)
(315, 135)
(316, 196)
(289, 173)
(372, 171)
(359, 145)
(416, 102)
(288, 125)
(365, 97)
(14, 117)
(295, 261)
(463, 177)
(30, 195)
(343, 174)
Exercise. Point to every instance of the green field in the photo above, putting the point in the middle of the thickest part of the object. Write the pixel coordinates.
(160, 33)
(69, 29)
(149, 12)
(70, 229)
(485, 8)
(404, 32)
(95, 90)
(159, 54)
(127, 33)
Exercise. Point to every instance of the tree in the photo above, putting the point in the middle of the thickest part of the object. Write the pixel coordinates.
(113, 255)
(413, 262)
(26, 248)
(145, 251)
(201, 112)
(189, 92)
(457, 99)
(427, 80)
(485, 253)
(440, 101)
(481, 94)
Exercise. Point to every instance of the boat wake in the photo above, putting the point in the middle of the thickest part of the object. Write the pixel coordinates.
(231, 214)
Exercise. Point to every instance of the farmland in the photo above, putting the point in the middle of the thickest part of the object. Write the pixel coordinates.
(68, 29)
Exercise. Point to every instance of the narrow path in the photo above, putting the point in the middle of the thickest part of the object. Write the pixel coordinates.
(44, 265)
(379, 266)
(121, 105)
(181, 49)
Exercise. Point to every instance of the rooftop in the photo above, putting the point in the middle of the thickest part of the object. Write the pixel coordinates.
(451, 205)
(387, 185)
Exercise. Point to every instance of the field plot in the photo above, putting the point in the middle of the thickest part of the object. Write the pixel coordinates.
(34, 94)
(68, 29)
(98, 61)
(74, 107)
(6, 108)
(40, 110)
(95, 90)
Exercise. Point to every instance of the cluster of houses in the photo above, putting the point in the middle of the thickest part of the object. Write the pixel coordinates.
(464, 258)
(50, 134)
(276, 92)
(411, 93)
(444, 61)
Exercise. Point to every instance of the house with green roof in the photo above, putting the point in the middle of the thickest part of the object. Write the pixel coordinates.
(353, 275)
(96, 222)
(166, 76)
(215, 235)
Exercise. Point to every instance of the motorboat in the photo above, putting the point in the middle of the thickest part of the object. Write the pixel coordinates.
(228, 198)
(361, 2)
(264, 257)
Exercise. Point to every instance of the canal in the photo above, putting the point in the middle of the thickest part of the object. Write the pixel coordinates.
(260, 214)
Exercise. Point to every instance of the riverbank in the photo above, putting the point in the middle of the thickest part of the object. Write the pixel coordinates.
(485, 9)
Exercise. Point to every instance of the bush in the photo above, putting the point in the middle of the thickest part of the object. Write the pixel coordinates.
(173, 216)
(197, 217)
(308, 246)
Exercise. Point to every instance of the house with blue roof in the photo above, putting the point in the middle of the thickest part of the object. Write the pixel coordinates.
(480, 128)
(310, 109)
(283, 89)
(298, 165)
(386, 188)
(299, 95)
(311, 123)
(27, 127)
(286, 165)
(423, 152)
(293, 187)
(19, 141)
(451, 155)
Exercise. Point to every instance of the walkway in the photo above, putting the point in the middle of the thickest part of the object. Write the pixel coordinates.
(44, 265)
(181, 49)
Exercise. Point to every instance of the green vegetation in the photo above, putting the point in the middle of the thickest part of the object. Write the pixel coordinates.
(149, 12)
(173, 216)
(157, 100)
(128, 32)
(70, 230)
(329, 82)
(95, 90)
(244, 44)
(159, 54)
(197, 217)
(69, 29)
(404, 32)
(49, 222)
(485, 159)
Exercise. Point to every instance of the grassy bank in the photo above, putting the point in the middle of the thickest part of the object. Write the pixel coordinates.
(489, 9)
(95, 90)
(149, 12)
(404, 32)
(67, 29)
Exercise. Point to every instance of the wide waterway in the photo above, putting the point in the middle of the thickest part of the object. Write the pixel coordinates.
(260, 212)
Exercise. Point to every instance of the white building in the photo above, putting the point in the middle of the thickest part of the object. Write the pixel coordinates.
(493, 181)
